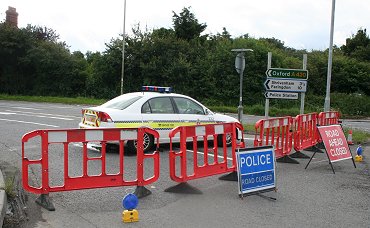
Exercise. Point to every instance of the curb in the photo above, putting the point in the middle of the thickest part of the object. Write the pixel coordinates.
(3, 200)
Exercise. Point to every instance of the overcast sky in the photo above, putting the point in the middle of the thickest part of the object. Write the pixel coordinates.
(301, 24)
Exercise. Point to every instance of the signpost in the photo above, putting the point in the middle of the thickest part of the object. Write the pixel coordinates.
(281, 95)
(335, 143)
(256, 170)
(287, 73)
(286, 85)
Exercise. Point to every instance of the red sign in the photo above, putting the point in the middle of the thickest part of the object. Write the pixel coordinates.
(335, 142)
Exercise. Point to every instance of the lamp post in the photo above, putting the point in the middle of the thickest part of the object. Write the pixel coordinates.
(328, 79)
(240, 66)
(123, 44)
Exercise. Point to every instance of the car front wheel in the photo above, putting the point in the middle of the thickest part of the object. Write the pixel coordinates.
(228, 140)
(148, 143)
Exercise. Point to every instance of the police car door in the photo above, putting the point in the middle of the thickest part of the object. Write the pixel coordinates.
(192, 113)
(159, 114)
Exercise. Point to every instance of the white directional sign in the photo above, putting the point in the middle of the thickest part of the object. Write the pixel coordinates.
(287, 73)
(286, 85)
(281, 95)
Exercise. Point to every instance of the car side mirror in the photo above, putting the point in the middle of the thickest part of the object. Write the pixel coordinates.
(208, 112)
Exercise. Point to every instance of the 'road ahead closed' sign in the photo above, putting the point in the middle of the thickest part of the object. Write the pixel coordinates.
(256, 169)
(335, 142)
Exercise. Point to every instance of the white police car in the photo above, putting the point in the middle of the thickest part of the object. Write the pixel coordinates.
(154, 107)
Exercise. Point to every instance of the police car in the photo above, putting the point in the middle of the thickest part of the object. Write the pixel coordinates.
(154, 107)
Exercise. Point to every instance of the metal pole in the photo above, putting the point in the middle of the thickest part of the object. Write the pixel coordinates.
(303, 95)
(267, 103)
(327, 98)
(240, 66)
(240, 107)
(123, 45)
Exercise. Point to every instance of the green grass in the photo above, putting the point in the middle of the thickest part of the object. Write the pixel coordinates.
(9, 187)
(358, 136)
(46, 99)
(249, 128)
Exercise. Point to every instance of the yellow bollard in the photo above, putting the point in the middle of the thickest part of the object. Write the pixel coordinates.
(130, 216)
(130, 202)
(358, 158)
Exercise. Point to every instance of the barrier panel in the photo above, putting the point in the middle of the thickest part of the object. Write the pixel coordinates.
(325, 119)
(189, 135)
(305, 133)
(86, 181)
(276, 132)
(328, 118)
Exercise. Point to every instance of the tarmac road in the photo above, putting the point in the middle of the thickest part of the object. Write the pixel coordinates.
(314, 197)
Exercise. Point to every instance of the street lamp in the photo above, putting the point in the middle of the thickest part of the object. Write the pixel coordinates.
(123, 45)
(239, 67)
(330, 59)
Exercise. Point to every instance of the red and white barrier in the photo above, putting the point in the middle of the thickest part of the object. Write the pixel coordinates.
(86, 181)
(210, 135)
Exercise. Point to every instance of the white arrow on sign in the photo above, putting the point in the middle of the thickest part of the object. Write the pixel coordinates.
(281, 95)
(286, 85)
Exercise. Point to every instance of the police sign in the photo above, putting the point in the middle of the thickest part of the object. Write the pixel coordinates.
(256, 170)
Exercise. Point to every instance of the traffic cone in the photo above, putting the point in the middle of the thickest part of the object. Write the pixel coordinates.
(349, 138)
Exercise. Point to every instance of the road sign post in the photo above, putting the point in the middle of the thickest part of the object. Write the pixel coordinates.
(267, 102)
(303, 95)
(285, 83)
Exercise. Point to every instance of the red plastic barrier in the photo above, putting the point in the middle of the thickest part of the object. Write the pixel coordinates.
(210, 132)
(305, 131)
(84, 136)
(275, 132)
(328, 118)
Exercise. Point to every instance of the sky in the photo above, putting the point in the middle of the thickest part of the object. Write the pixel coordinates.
(301, 24)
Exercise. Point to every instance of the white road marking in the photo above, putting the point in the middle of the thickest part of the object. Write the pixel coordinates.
(7, 113)
(26, 108)
(89, 146)
(212, 155)
(19, 121)
(249, 139)
(45, 115)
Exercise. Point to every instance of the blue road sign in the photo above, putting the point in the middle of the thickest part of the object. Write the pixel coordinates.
(256, 169)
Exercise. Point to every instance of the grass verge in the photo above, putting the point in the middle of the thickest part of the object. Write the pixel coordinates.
(358, 136)
(9, 187)
(63, 100)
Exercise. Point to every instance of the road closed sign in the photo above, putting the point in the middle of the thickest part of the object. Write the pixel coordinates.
(335, 142)
(256, 170)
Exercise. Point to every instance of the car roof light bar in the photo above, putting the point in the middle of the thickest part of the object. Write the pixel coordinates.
(159, 89)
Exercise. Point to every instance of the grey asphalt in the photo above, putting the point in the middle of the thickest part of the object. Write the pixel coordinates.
(312, 197)
(3, 199)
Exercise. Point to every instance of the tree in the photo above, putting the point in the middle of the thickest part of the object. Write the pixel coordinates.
(186, 25)
(43, 33)
(276, 42)
(14, 45)
(358, 46)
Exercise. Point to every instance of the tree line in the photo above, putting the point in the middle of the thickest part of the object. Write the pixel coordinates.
(33, 61)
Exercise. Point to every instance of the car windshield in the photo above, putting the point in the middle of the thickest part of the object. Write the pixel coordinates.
(121, 102)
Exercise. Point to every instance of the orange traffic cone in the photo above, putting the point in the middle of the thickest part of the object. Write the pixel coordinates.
(349, 138)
